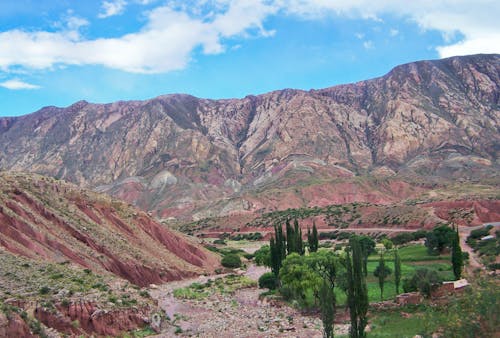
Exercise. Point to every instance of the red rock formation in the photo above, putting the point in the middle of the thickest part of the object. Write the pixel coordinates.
(42, 217)
(87, 318)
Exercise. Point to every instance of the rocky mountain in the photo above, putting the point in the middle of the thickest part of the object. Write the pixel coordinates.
(44, 218)
(380, 141)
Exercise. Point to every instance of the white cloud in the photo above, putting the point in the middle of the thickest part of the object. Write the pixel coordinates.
(173, 31)
(393, 32)
(164, 44)
(368, 44)
(112, 8)
(477, 21)
(16, 84)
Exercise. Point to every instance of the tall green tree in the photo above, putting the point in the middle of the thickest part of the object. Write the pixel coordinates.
(357, 292)
(277, 248)
(381, 271)
(367, 247)
(312, 239)
(397, 270)
(299, 245)
(290, 238)
(327, 305)
(456, 255)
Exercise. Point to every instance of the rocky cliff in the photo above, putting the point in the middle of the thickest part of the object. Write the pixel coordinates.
(422, 124)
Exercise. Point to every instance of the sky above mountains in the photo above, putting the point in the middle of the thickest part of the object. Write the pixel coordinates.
(56, 52)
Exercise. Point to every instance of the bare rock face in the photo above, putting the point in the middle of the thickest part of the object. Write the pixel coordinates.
(92, 320)
(180, 156)
(57, 221)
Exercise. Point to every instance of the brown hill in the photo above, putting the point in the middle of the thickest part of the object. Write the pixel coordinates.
(421, 126)
(45, 219)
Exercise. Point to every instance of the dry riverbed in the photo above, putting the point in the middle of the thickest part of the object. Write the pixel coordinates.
(237, 314)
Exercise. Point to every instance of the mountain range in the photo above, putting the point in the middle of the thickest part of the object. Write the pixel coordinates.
(423, 126)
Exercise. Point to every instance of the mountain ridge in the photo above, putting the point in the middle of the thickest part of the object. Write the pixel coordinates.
(176, 154)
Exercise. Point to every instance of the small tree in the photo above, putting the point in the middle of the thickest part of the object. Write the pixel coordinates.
(397, 270)
(456, 256)
(381, 271)
(424, 280)
(312, 239)
(439, 238)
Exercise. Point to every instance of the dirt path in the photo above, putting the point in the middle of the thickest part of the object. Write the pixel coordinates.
(474, 262)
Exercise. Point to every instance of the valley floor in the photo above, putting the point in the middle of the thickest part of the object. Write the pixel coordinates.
(241, 314)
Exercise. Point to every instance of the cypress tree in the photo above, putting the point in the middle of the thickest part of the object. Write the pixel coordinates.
(290, 238)
(315, 237)
(382, 271)
(298, 238)
(309, 239)
(456, 255)
(397, 270)
(327, 305)
(275, 257)
(357, 292)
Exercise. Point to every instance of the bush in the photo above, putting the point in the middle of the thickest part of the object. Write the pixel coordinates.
(231, 261)
(268, 280)
(402, 238)
(220, 242)
(424, 280)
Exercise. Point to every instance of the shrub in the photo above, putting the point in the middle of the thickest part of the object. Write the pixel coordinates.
(220, 242)
(231, 261)
(268, 280)
(44, 290)
(424, 280)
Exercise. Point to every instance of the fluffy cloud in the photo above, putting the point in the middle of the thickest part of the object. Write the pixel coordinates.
(111, 8)
(173, 31)
(16, 84)
(477, 21)
(164, 44)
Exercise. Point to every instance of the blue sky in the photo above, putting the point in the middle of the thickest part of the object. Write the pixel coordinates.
(56, 52)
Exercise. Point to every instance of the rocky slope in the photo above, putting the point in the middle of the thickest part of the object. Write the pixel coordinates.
(42, 218)
(420, 126)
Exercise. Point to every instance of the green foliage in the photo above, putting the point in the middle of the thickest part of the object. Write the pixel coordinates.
(312, 239)
(397, 270)
(473, 314)
(424, 280)
(367, 245)
(268, 280)
(381, 271)
(220, 242)
(357, 292)
(231, 261)
(327, 306)
(44, 290)
(254, 236)
(297, 278)
(387, 243)
(438, 239)
(262, 256)
(456, 256)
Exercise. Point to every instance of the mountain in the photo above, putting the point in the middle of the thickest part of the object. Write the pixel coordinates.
(44, 218)
(423, 125)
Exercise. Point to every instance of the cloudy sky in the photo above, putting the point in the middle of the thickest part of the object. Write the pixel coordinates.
(56, 52)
